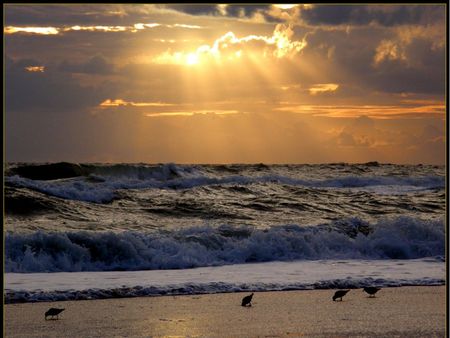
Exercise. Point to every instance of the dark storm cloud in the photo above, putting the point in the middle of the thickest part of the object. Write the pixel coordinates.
(245, 10)
(395, 77)
(417, 67)
(420, 72)
(385, 15)
(48, 91)
(54, 14)
(195, 9)
(95, 65)
(76, 14)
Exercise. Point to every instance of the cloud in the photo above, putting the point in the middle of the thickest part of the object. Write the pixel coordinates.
(50, 91)
(31, 30)
(388, 50)
(323, 88)
(421, 109)
(345, 139)
(366, 134)
(78, 14)
(384, 15)
(389, 60)
(97, 28)
(196, 9)
(160, 109)
(251, 11)
(414, 46)
(279, 45)
(40, 69)
(120, 102)
(72, 14)
(431, 133)
(258, 13)
(95, 65)
(285, 6)
(192, 113)
(394, 141)
(395, 77)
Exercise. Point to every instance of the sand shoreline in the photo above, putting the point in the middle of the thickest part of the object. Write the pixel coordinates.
(410, 311)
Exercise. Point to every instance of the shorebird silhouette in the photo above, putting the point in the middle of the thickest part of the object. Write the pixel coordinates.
(247, 300)
(53, 312)
(371, 290)
(340, 294)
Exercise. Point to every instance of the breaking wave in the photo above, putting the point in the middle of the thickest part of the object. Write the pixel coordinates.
(398, 238)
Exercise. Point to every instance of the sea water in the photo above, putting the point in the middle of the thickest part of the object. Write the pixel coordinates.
(87, 231)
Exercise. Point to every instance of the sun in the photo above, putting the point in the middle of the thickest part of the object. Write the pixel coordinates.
(192, 59)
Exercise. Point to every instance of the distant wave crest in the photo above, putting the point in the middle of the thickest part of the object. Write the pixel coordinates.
(101, 183)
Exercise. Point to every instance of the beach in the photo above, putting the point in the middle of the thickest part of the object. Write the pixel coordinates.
(408, 311)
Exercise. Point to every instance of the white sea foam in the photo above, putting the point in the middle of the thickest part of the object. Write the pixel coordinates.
(241, 277)
(399, 238)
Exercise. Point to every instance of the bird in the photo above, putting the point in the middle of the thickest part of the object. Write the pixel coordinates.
(340, 294)
(247, 300)
(53, 312)
(371, 290)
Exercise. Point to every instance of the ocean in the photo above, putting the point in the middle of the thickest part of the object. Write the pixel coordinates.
(95, 231)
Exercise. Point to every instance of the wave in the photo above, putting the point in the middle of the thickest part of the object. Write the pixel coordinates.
(12, 297)
(398, 238)
(101, 183)
(49, 171)
(61, 170)
(19, 201)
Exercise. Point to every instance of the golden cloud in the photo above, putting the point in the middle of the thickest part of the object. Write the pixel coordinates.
(322, 88)
(285, 6)
(192, 113)
(396, 47)
(425, 109)
(119, 102)
(184, 26)
(229, 46)
(32, 30)
(100, 28)
(389, 50)
(39, 69)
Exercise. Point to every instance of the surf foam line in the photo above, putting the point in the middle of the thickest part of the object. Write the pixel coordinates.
(256, 277)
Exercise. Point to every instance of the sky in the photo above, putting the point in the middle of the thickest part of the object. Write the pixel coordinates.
(158, 83)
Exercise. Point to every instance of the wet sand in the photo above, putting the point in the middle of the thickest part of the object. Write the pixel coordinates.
(395, 312)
